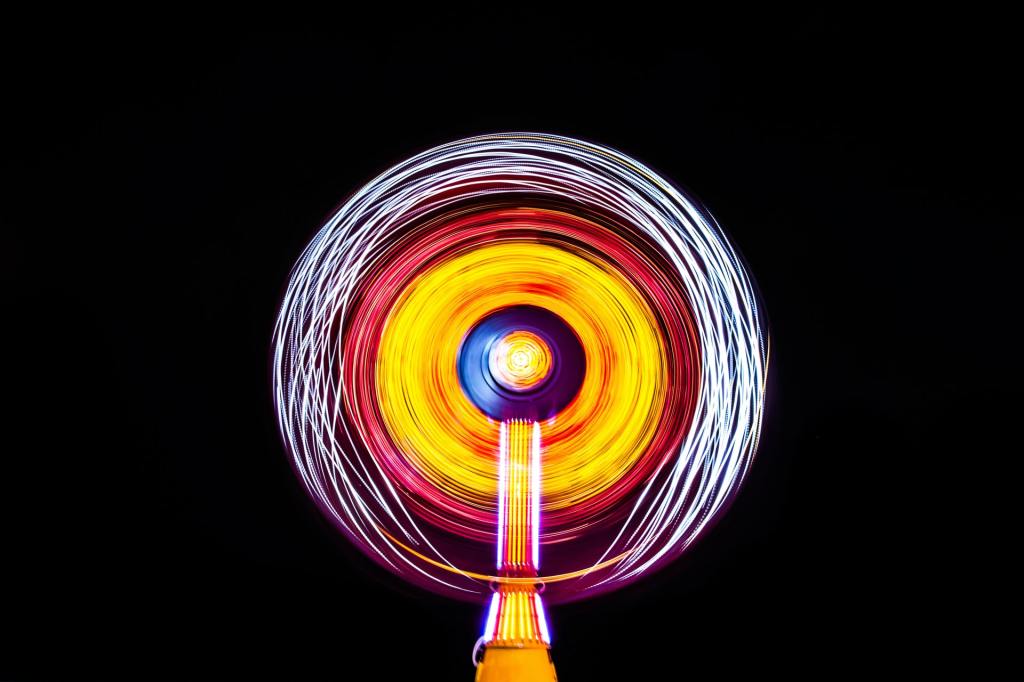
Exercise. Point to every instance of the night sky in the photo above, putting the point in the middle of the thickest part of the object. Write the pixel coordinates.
(161, 179)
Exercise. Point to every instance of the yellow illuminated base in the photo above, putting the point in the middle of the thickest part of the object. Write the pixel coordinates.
(516, 664)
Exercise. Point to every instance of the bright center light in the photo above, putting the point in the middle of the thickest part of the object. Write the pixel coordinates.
(520, 360)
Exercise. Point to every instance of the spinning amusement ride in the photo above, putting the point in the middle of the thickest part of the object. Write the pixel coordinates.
(520, 369)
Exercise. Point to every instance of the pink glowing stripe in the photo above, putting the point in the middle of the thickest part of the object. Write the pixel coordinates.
(492, 618)
(542, 619)
(502, 456)
(535, 494)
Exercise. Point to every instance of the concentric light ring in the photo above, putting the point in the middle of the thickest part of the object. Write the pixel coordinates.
(671, 249)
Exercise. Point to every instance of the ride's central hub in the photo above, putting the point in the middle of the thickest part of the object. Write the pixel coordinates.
(520, 360)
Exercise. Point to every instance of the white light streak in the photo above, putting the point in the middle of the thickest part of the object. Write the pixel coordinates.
(676, 505)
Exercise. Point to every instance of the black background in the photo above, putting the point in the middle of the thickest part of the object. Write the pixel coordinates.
(160, 179)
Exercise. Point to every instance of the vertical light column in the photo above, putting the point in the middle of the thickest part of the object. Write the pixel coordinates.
(516, 616)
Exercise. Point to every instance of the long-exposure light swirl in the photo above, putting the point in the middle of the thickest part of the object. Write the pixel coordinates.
(511, 255)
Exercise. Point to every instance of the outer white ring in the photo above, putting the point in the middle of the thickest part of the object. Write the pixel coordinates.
(715, 455)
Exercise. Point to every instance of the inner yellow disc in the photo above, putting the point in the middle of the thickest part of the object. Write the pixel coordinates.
(520, 360)
(588, 447)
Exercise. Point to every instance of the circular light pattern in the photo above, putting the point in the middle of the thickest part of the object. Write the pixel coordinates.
(520, 360)
(436, 425)
(520, 276)
(494, 385)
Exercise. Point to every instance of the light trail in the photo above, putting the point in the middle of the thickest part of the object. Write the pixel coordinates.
(667, 419)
